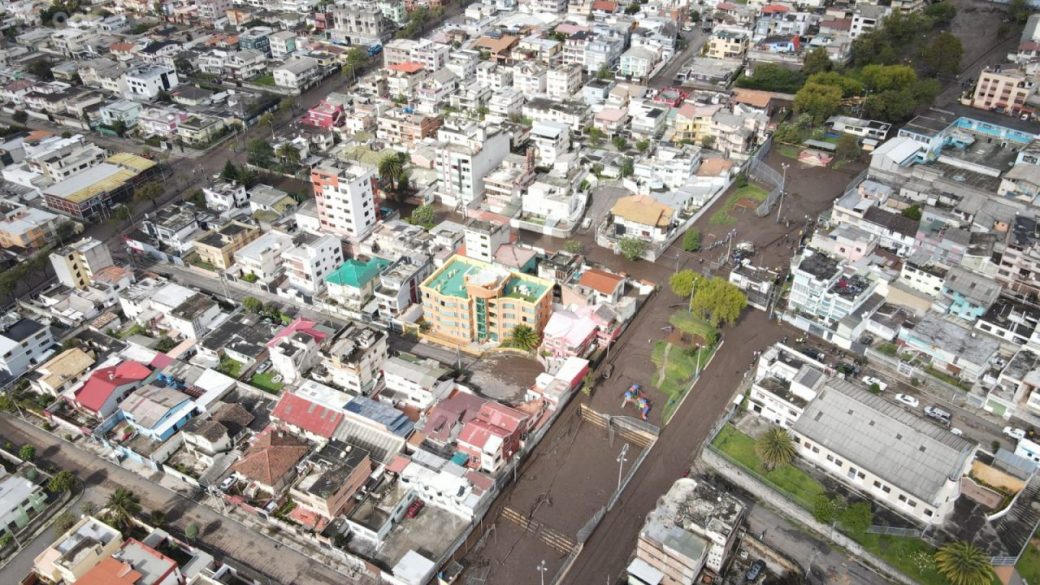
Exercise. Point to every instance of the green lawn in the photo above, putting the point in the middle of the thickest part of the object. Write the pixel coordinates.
(265, 79)
(911, 556)
(679, 372)
(1029, 565)
(266, 382)
(723, 217)
(788, 150)
(230, 367)
(694, 325)
(796, 484)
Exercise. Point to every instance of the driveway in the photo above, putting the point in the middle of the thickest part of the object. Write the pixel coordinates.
(221, 536)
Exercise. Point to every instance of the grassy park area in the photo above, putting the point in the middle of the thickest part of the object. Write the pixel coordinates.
(265, 382)
(746, 198)
(688, 348)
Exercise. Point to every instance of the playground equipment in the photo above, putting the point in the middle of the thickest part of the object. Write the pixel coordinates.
(635, 394)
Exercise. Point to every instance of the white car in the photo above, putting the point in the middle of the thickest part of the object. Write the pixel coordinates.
(871, 380)
(908, 400)
(227, 483)
(1017, 434)
(956, 431)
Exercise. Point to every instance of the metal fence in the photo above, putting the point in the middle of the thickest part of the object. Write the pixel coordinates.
(896, 531)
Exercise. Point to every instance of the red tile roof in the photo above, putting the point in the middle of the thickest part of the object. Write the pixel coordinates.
(406, 67)
(301, 326)
(601, 280)
(303, 414)
(604, 6)
(273, 455)
(493, 419)
(93, 394)
(774, 8)
(110, 572)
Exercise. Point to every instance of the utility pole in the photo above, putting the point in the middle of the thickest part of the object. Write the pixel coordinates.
(541, 571)
(622, 459)
(783, 189)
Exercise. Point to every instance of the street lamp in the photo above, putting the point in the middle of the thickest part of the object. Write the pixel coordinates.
(783, 189)
(622, 458)
(541, 571)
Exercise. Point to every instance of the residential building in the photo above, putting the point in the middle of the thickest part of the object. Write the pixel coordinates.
(157, 412)
(353, 284)
(354, 360)
(23, 343)
(61, 372)
(642, 217)
(262, 257)
(637, 63)
(271, 461)
(108, 386)
(346, 202)
(952, 347)
(469, 153)
(76, 263)
(208, 437)
(282, 44)
(561, 82)
(468, 301)
(310, 260)
(968, 295)
(294, 349)
(225, 195)
(20, 501)
(333, 475)
(78, 550)
(363, 23)
(844, 428)
(398, 288)
(483, 239)
(417, 383)
(694, 526)
(727, 44)
(786, 381)
(1003, 89)
(217, 248)
(493, 436)
(404, 128)
(297, 73)
(146, 82)
(551, 141)
(26, 227)
(821, 289)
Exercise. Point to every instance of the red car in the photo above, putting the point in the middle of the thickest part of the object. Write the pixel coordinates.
(414, 508)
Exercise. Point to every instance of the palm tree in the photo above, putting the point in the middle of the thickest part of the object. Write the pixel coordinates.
(150, 191)
(775, 447)
(122, 506)
(391, 170)
(289, 154)
(268, 120)
(62, 482)
(962, 563)
(523, 337)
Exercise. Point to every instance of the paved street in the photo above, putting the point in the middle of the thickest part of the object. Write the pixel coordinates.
(220, 535)
(695, 39)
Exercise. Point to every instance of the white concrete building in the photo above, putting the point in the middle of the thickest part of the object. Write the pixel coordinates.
(416, 382)
(145, 82)
(297, 73)
(76, 264)
(263, 256)
(469, 152)
(550, 139)
(483, 238)
(309, 261)
(23, 344)
(224, 196)
(346, 202)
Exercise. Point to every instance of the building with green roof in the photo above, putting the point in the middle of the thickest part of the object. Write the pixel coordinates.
(353, 283)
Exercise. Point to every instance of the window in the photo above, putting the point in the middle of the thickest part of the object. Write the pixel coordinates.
(902, 498)
(877, 484)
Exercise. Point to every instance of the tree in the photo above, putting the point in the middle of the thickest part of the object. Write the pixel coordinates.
(119, 127)
(289, 154)
(1019, 10)
(158, 518)
(523, 337)
(642, 146)
(772, 77)
(962, 563)
(191, 531)
(719, 301)
(818, 101)
(707, 141)
(64, 521)
(27, 452)
(890, 106)
(268, 120)
(573, 247)
(817, 61)
(913, 212)
(847, 147)
(595, 136)
(391, 170)
(857, 518)
(65, 230)
(354, 60)
(604, 72)
(877, 78)
(619, 143)
(423, 216)
(775, 447)
(123, 505)
(286, 104)
(230, 172)
(62, 482)
(627, 167)
(20, 116)
(943, 56)
(685, 282)
(691, 241)
(941, 13)
(849, 85)
(632, 248)
(827, 509)
(253, 305)
(260, 153)
(150, 191)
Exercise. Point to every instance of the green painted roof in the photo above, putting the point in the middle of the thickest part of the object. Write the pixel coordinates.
(357, 273)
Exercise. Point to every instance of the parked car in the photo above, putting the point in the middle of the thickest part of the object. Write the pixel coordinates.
(1014, 433)
(871, 380)
(414, 508)
(755, 571)
(263, 367)
(956, 431)
(908, 400)
(227, 483)
(938, 414)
